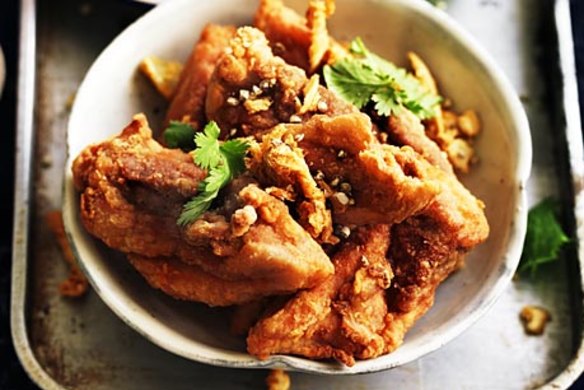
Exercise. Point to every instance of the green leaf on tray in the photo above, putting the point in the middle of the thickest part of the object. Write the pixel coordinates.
(544, 237)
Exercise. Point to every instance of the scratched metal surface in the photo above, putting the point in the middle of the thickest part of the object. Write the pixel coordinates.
(81, 344)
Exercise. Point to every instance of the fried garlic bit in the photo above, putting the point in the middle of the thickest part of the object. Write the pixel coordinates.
(454, 133)
(534, 319)
(278, 380)
(322, 49)
(163, 74)
(311, 95)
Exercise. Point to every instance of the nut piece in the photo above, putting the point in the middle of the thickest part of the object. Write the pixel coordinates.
(243, 219)
(278, 380)
(311, 95)
(468, 123)
(254, 106)
(534, 319)
(460, 154)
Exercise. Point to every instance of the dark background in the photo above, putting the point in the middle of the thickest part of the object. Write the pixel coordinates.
(11, 374)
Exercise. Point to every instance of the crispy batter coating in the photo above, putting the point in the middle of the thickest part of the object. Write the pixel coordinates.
(189, 282)
(427, 248)
(387, 183)
(188, 103)
(164, 75)
(278, 161)
(252, 90)
(132, 190)
(343, 317)
(303, 42)
(247, 72)
(406, 129)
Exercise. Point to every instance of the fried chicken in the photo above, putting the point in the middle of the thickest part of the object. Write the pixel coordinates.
(342, 318)
(405, 128)
(251, 90)
(189, 282)
(387, 184)
(188, 103)
(315, 164)
(363, 313)
(302, 42)
(132, 190)
(427, 248)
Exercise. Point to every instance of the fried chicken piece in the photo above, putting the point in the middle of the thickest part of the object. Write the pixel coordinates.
(427, 248)
(188, 103)
(274, 246)
(132, 191)
(387, 184)
(343, 317)
(405, 128)
(303, 42)
(252, 90)
(278, 161)
(189, 282)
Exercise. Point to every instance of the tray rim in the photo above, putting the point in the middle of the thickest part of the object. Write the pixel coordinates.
(575, 145)
(26, 96)
(25, 129)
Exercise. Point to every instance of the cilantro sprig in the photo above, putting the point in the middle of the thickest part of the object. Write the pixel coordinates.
(364, 77)
(544, 237)
(222, 160)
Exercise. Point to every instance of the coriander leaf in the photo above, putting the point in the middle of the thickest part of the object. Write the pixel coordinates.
(365, 76)
(208, 191)
(544, 237)
(223, 161)
(179, 135)
(234, 151)
(207, 154)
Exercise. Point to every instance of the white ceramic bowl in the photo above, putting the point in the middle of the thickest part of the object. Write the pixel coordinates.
(112, 92)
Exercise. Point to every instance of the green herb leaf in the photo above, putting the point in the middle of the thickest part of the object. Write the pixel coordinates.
(365, 77)
(223, 161)
(179, 135)
(207, 154)
(544, 237)
(438, 3)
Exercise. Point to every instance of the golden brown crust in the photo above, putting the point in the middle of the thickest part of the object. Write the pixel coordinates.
(343, 317)
(387, 183)
(188, 103)
(132, 190)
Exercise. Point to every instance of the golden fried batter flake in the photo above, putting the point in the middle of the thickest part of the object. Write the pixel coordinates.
(163, 74)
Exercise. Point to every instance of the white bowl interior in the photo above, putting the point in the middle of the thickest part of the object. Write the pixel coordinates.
(113, 92)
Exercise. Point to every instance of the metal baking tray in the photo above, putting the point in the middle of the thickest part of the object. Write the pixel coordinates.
(81, 344)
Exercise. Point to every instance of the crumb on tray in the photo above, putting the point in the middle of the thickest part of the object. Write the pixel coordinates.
(534, 319)
(76, 283)
(278, 380)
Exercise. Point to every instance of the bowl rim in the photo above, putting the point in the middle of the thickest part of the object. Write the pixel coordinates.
(523, 148)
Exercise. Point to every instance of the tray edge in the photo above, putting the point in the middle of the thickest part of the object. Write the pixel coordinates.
(575, 146)
(22, 196)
